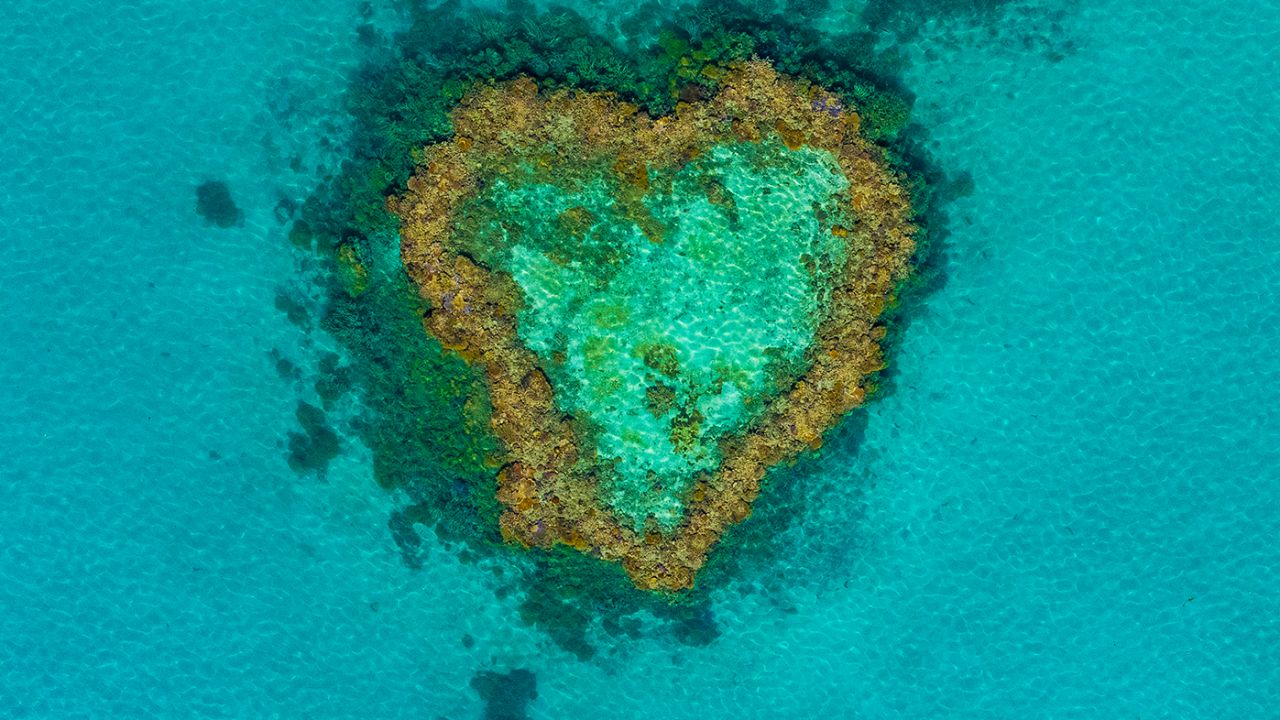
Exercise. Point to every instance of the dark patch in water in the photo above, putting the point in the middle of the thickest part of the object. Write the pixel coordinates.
(367, 35)
(286, 207)
(293, 309)
(506, 695)
(285, 368)
(696, 627)
(312, 449)
(404, 533)
(214, 203)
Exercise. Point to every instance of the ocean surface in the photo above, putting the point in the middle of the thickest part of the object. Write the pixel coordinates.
(1068, 507)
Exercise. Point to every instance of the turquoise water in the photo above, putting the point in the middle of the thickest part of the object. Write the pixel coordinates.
(1066, 508)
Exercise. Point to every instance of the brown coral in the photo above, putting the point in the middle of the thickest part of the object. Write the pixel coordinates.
(549, 482)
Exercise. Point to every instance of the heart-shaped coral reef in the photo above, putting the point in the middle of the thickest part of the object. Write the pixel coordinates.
(662, 308)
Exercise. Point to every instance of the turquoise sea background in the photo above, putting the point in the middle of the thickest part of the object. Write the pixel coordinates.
(1067, 509)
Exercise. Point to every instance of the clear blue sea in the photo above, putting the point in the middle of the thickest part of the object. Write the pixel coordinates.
(1068, 508)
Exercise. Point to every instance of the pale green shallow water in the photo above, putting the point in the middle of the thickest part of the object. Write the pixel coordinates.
(667, 345)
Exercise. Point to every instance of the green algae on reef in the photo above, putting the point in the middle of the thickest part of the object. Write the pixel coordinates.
(426, 433)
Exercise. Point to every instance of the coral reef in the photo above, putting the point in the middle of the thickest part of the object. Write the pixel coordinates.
(554, 478)
(423, 411)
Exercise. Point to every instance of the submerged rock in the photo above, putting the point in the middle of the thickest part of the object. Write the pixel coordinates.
(506, 695)
(214, 204)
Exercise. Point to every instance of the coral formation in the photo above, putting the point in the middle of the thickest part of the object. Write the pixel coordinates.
(611, 184)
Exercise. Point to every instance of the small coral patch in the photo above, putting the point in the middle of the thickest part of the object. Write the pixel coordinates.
(215, 205)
